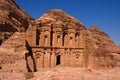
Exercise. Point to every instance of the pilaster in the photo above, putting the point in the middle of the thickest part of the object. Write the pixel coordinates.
(52, 60)
(34, 36)
(47, 60)
(42, 38)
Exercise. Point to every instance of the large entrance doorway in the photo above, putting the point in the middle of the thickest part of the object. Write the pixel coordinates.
(58, 57)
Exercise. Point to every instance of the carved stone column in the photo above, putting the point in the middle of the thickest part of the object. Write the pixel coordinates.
(42, 38)
(71, 59)
(81, 37)
(65, 40)
(62, 59)
(73, 45)
(34, 36)
(81, 40)
(54, 38)
(37, 60)
(71, 39)
(67, 58)
(61, 38)
(47, 60)
(48, 38)
(77, 41)
(52, 60)
(42, 60)
(68, 39)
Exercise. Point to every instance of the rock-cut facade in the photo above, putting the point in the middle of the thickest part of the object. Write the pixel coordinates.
(53, 43)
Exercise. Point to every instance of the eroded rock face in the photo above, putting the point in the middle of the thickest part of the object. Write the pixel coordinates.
(105, 57)
(100, 38)
(12, 54)
(12, 19)
(94, 39)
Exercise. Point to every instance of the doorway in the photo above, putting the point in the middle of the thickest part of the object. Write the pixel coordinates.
(58, 57)
(0, 42)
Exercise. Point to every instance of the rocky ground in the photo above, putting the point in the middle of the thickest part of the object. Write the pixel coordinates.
(67, 73)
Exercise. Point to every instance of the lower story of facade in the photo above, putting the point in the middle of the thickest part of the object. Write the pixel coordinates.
(51, 57)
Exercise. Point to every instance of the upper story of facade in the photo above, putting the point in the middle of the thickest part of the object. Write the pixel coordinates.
(55, 35)
(56, 29)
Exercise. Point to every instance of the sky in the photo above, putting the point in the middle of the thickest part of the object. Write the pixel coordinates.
(105, 14)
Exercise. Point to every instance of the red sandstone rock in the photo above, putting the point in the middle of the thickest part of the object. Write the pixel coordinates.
(105, 57)
(12, 19)
(66, 73)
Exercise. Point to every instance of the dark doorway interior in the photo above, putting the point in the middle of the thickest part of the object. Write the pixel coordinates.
(58, 60)
(0, 42)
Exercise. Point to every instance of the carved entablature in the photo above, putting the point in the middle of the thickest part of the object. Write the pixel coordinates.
(65, 31)
(46, 32)
(71, 34)
(78, 54)
(77, 32)
(58, 53)
(37, 54)
(58, 32)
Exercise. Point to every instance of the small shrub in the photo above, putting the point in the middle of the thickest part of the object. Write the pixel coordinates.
(83, 78)
(89, 70)
(29, 75)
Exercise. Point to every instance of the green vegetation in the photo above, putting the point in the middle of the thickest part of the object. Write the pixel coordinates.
(89, 70)
(83, 78)
(29, 75)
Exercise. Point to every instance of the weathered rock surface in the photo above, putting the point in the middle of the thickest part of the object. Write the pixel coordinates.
(59, 18)
(66, 73)
(12, 19)
(107, 49)
(105, 56)
(12, 54)
(94, 39)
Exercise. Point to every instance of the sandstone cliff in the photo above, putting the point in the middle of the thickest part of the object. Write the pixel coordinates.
(95, 38)
(12, 19)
